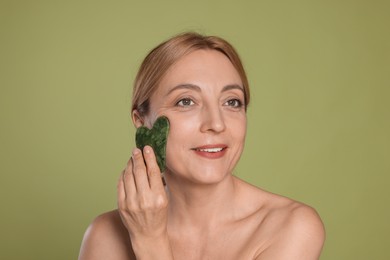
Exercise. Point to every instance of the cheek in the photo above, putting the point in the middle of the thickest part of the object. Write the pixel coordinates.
(181, 131)
(242, 130)
(180, 141)
(239, 127)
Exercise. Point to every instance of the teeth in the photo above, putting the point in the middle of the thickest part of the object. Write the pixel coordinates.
(211, 150)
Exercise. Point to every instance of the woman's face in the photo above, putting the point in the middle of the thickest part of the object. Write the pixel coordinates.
(203, 97)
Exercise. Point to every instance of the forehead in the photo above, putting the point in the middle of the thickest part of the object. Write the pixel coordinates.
(204, 68)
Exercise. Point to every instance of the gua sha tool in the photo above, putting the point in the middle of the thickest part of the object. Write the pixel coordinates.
(156, 138)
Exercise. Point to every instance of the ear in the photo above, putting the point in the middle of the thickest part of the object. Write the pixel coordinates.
(137, 118)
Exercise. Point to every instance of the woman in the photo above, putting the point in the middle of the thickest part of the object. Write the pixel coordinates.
(203, 211)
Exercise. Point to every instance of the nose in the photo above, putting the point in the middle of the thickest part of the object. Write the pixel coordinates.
(212, 120)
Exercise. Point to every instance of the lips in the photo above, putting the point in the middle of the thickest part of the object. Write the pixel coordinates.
(211, 151)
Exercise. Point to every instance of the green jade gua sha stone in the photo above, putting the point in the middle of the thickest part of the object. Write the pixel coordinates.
(156, 138)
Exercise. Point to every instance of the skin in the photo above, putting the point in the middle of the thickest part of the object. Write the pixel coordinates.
(204, 212)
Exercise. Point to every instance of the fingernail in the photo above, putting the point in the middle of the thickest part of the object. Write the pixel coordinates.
(135, 151)
(147, 149)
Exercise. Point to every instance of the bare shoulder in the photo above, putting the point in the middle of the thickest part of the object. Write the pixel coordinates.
(106, 238)
(297, 230)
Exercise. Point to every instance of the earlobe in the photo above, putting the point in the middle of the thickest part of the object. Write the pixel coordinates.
(137, 118)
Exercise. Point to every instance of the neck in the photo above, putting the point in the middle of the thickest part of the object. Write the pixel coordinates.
(200, 205)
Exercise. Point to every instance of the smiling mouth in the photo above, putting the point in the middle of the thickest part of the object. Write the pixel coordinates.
(210, 150)
(214, 148)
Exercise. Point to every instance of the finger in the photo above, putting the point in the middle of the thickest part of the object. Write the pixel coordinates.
(121, 191)
(153, 170)
(128, 180)
(139, 171)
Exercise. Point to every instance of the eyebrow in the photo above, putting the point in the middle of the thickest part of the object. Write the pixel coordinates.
(184, 86)
(198, 89)
(233, 86)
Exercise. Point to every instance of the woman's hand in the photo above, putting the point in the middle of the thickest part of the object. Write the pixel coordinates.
(142, 203)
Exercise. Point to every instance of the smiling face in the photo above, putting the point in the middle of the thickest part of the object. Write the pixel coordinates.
(203, 97)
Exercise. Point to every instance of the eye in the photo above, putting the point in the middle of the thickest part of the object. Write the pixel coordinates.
(236, 103)
(185, 102)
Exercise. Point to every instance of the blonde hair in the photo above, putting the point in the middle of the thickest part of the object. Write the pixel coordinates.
(162, 57)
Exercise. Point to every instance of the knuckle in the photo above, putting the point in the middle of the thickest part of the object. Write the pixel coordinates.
(119, 185)
(139, 166)
(161, 202)
(129, 162)
(127, 179)
(153, 171)
(139, 172)
(156, 204)
(132, 207)
(126, 175)
(122, 207)
(145, 204)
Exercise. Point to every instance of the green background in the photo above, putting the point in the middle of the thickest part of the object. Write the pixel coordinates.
(319, 119)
